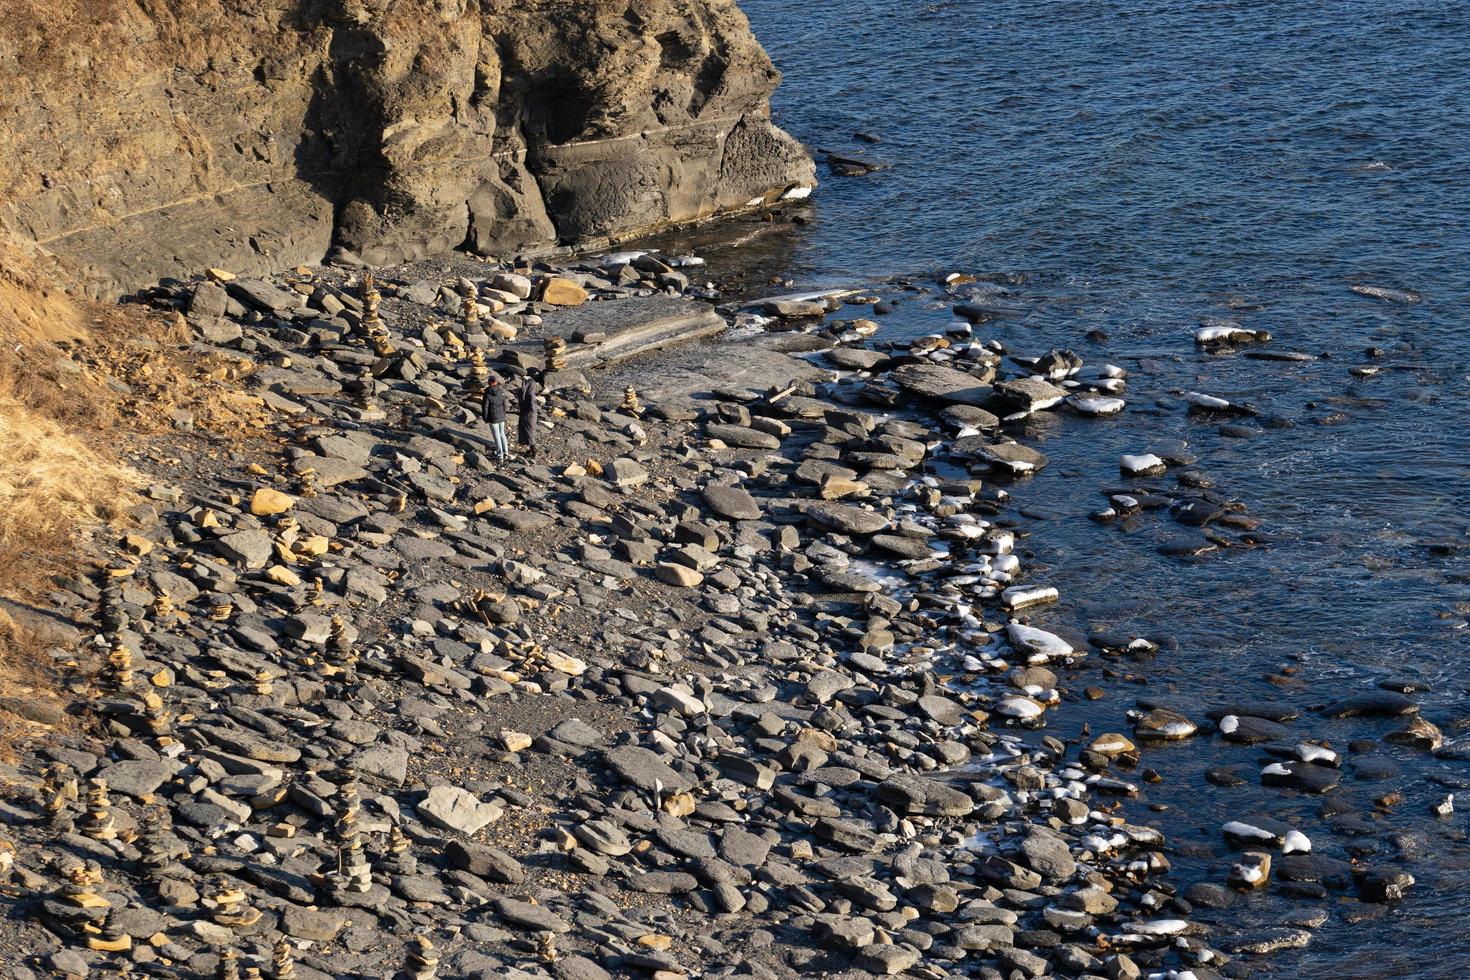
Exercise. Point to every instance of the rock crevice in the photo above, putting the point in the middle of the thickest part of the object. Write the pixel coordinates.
(144, 140)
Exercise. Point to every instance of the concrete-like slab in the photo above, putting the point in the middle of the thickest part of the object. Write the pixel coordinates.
(694, 373)
(627, 327)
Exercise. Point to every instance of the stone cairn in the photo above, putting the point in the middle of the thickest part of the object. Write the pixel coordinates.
(109, 937)
(546, 947)
(479, 372)
(221, 610)
(117, 672)
(555, 350)
(80, 881)
(163, 608)
(341, 653)
(372, 322)
(74, 905)
(306, 482)
(364, 392)
(229, 906)
(58, 791)
(422, 962)
(283, 960)
(98, 822)
(630, 404)
(229, 965)
(111, 616)
(469, 306)
(354, 874)
(397, 858)
(161, 850)
(156, 716)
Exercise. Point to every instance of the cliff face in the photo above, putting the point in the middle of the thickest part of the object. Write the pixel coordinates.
(144, 138)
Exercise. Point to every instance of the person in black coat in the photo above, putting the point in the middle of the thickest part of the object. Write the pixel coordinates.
(493, 408)
(530, 413)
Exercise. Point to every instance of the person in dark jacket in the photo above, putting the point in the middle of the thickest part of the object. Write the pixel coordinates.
(493, 409)
(530, 415)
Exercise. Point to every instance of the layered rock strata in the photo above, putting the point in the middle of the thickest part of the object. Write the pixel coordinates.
(144, 139)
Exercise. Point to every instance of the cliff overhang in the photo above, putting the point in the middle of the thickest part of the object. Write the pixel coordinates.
(150, 138)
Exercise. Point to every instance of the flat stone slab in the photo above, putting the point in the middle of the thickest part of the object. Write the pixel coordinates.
(943, 384)
(456, 809)
(848, 520)
(752, 365)
(731, 503)
(624, 328)
(644, 769)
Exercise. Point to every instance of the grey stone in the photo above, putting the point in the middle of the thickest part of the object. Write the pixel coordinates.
(731, 503)
(457, 809)
(136, 777)
(644, 769)
(848, 520)
(386, 762)
(525, 916)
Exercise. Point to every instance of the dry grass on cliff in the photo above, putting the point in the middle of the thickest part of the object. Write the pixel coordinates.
(54, 476)
(79, 383)
(30, 704)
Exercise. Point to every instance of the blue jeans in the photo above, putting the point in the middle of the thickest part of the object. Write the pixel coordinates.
(502, 450)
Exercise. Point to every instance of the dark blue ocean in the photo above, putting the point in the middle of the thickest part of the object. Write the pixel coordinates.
(1130, 168)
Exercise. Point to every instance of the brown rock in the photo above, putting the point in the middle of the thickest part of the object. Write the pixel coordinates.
(563, 292)
(268, 503)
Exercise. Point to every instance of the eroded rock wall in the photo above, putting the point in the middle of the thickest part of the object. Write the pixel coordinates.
(147, 138)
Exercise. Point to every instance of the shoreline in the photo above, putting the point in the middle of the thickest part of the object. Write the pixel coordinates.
(761, 750)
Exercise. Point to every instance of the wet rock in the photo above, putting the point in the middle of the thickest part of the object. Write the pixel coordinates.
(856, 359)
(908, 793)
(1143, 464)
(1163, 725)
(1246, 730)
(1256, 832)
(1252, 871)
(1385, 886)
(942, 384)
(1011, 457)
(1379, 704)
(848, 520)
(1419, 733)
(1029, 394)
(1300, 775)
(1263, 941)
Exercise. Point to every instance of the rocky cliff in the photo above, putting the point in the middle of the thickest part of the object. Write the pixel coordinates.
(145, 138)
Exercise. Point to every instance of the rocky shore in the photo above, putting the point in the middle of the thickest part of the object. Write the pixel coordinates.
(739, 676)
